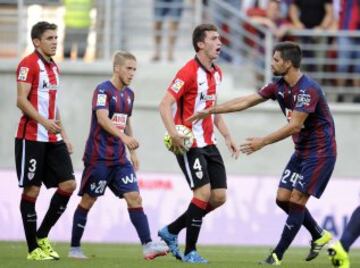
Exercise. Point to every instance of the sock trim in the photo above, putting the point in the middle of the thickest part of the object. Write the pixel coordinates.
(135, 209)
(28, 198)
(63, 193)
(199, 203)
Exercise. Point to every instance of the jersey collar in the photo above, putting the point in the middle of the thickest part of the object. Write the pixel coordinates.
(215, 68)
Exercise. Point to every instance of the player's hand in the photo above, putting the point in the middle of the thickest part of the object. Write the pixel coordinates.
(252, 145)
(134, 160)
(130, 142)
(69, 146)
(177, 143)
(53, 126)
(199, 115)
(232, 146)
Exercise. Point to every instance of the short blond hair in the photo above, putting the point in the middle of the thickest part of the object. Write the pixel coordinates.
(120, 57)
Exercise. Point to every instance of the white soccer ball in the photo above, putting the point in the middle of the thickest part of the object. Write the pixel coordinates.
(188, 141)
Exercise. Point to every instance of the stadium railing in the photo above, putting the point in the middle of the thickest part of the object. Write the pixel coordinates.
(247, 43)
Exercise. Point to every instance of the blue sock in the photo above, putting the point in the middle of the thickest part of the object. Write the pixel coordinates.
(352, 230)
(78, 228)
(141, 224)
(309, 223)
(292, 226)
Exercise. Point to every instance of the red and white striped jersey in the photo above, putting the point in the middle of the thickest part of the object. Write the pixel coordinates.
(44, 79)
(194, 89)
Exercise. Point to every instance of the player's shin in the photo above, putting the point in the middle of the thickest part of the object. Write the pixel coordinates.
(57, 207)
(291, 228)
(352, 230)
(28, 213)
(79, 223)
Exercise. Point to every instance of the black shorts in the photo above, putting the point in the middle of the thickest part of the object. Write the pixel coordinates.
(42, 162)
(202, 166)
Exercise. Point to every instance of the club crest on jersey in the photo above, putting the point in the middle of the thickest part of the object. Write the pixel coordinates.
(23, 73)
(177, 85)
(101, 100)
(303, 99)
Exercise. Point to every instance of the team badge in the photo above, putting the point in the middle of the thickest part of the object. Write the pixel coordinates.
(23, 73)
(199, 174)
(101, 100)
(30, 175)
(177, 85)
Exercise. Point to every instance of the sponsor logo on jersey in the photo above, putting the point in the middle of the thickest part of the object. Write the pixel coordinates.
(101, 100)
(23, 73)
(204, 97)
(303, 99)
(119, 120)
(177, 85)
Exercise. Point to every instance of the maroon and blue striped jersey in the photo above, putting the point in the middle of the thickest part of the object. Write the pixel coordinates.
(317, 136)
(101, 145)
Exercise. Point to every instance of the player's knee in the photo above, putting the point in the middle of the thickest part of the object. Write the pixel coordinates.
(299, 198)
(218, 199)
(133, 199)
(68, 186)
(31, 191)
(87, 201)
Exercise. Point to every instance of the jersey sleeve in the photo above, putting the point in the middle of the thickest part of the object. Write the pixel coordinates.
(307, 100)
(26, 71)
(180, 83)
(268, 91)
(100, 99)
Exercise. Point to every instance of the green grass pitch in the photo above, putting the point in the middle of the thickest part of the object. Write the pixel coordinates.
(12, 255)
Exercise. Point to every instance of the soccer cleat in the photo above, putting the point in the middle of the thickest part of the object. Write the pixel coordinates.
(38, 255)
(318, 244)
(272, 259)
(194, 257)
(153, 249)
(45, 245)
(338, 256)
(171, 241)
(76, 253)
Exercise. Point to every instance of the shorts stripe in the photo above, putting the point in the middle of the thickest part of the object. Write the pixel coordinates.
(21, 182)
(188, 171)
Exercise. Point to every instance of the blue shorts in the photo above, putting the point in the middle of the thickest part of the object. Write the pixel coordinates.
(308, 175)
(120, 179)
(171, 8)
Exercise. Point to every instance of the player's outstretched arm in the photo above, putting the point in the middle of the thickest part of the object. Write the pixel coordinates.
(234, 105)
(108, 126)
(294, 126)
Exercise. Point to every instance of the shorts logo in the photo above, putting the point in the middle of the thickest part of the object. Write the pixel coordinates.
(23, 73)
(129, 179)
(199, 174)
(30, 175)
(177, 85)
(101, 100)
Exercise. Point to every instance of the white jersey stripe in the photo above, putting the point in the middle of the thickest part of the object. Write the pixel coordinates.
(21, 182)
(197, 128)
(188, 170)
(43, 102)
